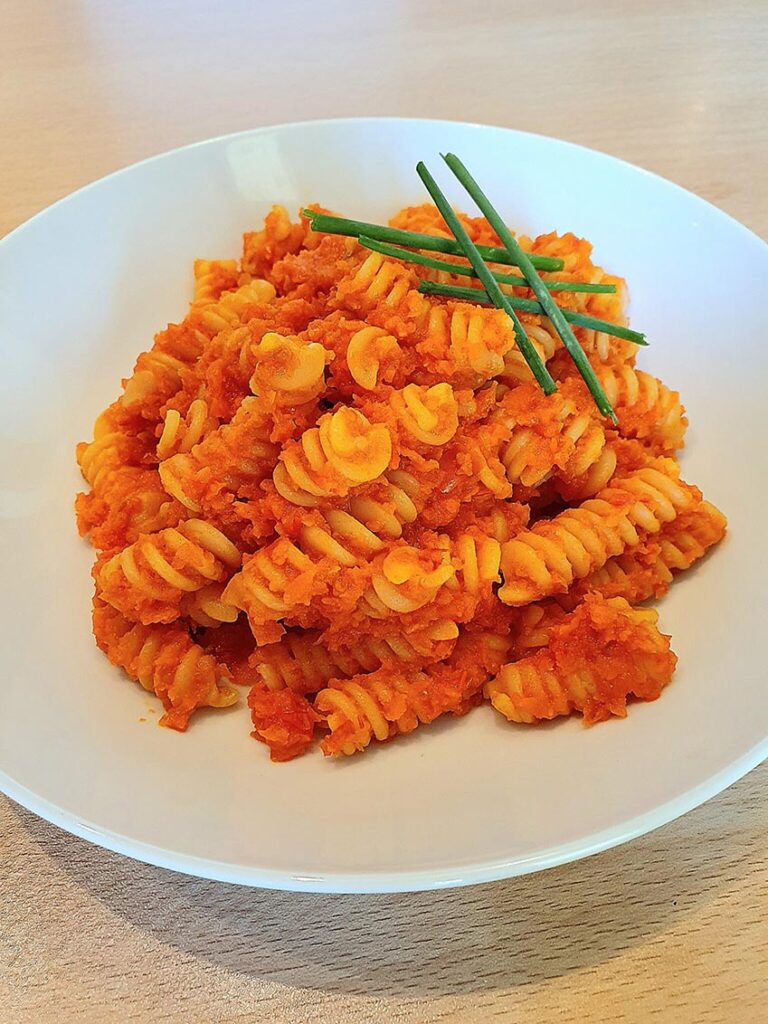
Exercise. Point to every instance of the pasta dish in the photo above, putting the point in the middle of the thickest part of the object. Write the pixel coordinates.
(338, 483)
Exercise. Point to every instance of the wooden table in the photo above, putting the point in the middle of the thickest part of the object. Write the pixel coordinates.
(671, 927)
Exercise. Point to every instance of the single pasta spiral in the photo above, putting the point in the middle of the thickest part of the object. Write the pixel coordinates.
(279, 236)
(391, 702)
(548, 435)
(372, 357)
(533, 624)
(429, 415)
(470, 337)
(265, 587)
(646, 408)
(547, 558)
(228, 309)
(212, 277)
(129, 501)
(406, 579)
(452, 579)
(182, 433)
(597, 657)
(100, 458)
(156, 372)
(166, 662)
(147, 580)
(110, 451)
(380, 282)
(648, 570)
(288, 370)
(342, 452)
(161, 372)
(477, 560)
(283, 719)
(604, 348)
(374, 706)
(304, 664)
(594, 478)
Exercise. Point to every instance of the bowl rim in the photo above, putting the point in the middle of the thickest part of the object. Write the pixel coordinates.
(373, 120)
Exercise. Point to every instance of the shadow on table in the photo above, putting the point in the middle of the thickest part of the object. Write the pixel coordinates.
(477, 939)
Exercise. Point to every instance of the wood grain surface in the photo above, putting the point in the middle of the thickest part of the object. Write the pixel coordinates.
(671, 927)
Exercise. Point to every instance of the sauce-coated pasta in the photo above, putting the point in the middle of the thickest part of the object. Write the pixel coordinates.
(353, 498)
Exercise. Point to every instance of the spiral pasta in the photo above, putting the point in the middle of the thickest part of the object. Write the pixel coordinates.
(381, 284)
(278, 238)
(229, 359)
(292, 575)
(533, 625)
(287, 370)
(182, 433)
(129, 502)
(282, 719)
(341, 452)
(558, 436)
(239, 454)
(205, 606)
(166, 662)
(544, 340)
(388, 703)
(111, 450)
(389, 505)
(407, 578)
(546, 559)
(213, 315)
(304, 662)
(147, 580)
(353, 498)
(600, 655)
(161, 372)
(648, 570)
(335, 554)
(461, 337)
(426, 415)
(372, 357)
(212, 277)
(647, 409)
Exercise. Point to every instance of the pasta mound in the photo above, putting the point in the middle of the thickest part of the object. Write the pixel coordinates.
(353, 499)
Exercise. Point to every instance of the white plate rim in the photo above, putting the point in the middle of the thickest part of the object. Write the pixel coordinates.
(391, 881)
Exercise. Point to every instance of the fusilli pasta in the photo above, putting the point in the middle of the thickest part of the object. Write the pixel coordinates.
(353, 498)
(166, 662)
(147, 580)
(598, 656)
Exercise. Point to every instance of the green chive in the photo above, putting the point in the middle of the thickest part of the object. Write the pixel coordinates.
(450, 291)
(330, 225)
(538, 287)
(500, 300)
(408, 256)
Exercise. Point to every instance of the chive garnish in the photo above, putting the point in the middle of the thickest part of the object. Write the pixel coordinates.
(408, 256)
(450, 291)
(330, 225)
(500, 300)
(522, 260)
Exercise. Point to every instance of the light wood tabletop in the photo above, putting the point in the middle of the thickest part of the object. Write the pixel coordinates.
(670, 927)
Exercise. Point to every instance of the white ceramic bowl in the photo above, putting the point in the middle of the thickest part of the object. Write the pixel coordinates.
(85, 284)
